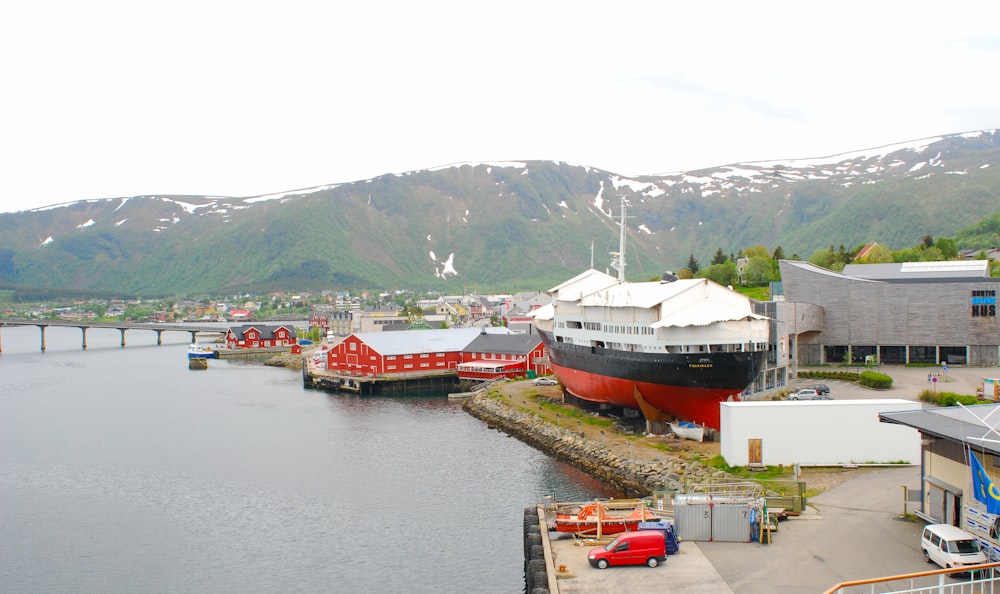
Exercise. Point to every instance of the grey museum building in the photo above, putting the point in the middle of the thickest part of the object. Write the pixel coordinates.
(910, 312)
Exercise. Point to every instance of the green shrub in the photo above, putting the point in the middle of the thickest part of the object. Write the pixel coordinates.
(947, 398)
(875, 380)
(847, 376)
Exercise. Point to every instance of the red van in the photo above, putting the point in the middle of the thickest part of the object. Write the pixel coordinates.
(631, 548)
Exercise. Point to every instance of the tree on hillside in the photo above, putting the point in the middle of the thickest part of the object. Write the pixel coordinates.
(949, 251)
(758, 271)
(757, 250)
(822, 257)
(928, 241)
(723, 273)
(719, 257)
(779, 254)
(693, 265)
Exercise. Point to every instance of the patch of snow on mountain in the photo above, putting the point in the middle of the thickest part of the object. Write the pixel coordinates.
(433, 256)
(449, 267)
(489, 164)
(120, 223)
(645, 229)
(85, 225)
(48, 240)
(302, 192)
(635, 185)
(918, 166)
(984, 166)
(563, 204)
(121, 204)
(916, 146)
(599, 198)
(187, 206)
(697, 180)
(428, 237)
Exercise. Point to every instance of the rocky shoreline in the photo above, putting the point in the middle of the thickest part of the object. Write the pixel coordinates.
(633, 477)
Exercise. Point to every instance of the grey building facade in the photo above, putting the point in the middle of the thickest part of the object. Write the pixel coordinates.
(914, 312)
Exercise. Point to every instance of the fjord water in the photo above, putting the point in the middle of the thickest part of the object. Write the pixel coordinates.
(121, 470)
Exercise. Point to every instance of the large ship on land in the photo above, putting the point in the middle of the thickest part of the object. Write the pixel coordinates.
(673, 348)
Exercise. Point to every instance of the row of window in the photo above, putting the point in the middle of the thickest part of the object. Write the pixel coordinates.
(609, 328)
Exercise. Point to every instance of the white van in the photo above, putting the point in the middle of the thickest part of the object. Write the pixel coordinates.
(950, 546)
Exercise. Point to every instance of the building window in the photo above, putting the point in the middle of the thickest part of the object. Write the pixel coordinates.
(354, 346)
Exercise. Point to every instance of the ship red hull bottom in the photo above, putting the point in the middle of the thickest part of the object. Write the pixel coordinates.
(697, 404)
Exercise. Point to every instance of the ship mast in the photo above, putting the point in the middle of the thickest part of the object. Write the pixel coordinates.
(618, 258)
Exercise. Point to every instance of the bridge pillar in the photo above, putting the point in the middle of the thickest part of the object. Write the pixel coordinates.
(159, 337)
(42, 330)
(122, 330)
(194, 336)
(83, 329)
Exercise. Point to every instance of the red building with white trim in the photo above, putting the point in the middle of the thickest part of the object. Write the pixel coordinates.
(495, 356)
(255, 336)
(396, 355)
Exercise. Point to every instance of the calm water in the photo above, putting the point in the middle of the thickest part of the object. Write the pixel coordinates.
(123, 471)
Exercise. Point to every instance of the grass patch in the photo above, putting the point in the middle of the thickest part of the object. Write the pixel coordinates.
(769, 472)
(947, 398)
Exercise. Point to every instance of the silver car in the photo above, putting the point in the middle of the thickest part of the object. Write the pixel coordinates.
(804, 394)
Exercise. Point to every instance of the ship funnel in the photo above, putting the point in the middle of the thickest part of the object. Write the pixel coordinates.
(668, 277)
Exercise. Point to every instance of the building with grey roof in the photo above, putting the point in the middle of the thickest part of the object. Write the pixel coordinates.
(949, 436)
(912, 312)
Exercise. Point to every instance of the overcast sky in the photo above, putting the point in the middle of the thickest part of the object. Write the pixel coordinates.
(106, 98)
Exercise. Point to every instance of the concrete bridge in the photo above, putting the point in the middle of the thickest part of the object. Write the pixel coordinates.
(122, 327)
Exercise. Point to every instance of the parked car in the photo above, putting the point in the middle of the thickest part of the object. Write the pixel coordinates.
(545, 381)
(950, 546)
(642, 547)
(804, 394)
(821, 388)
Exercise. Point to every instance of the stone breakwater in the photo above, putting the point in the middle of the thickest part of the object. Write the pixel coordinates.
(635, 478)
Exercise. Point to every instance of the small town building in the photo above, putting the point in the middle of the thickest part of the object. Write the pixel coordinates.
(397, 355)
(380, 318)
(954, 440)
(255, 336)
(496, 356)
(900, 313)
(811, 433)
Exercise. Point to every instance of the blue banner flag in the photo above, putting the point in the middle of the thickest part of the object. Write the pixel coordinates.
(983, 488)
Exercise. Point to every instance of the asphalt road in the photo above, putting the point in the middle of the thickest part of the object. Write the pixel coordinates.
(853, 531)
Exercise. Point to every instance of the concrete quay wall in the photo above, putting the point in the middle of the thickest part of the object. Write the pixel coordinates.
(633, 477)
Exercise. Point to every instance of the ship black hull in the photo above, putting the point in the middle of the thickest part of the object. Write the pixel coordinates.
(687, 386)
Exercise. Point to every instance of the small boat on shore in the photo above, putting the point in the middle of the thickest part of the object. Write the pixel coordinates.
(687, 430)
(198, 351)
(599, 519)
